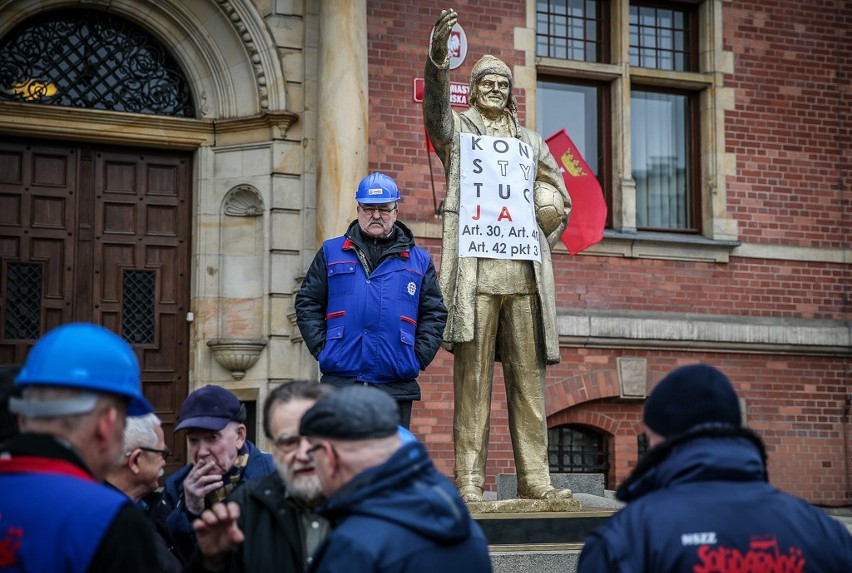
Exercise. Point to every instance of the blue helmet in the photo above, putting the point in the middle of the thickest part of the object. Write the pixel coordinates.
(86, 357)
(377, 188)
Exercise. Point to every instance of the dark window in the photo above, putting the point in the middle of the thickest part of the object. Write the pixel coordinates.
(581, 109)
(571, 30)
(577, 449)
(642, 444)
(662, 134)
(91, 59)
(137, 306)
(23, 301)
(661, 37)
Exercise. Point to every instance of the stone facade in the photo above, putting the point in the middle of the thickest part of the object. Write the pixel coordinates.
(297, 100)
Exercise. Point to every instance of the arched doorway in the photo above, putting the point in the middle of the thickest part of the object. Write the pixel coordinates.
(95, 232)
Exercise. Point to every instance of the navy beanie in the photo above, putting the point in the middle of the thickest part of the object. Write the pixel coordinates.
(690, 396)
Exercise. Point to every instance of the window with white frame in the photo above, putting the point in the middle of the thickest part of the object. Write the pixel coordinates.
(635, 84)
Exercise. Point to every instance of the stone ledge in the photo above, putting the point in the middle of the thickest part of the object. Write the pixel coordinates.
(538, 529)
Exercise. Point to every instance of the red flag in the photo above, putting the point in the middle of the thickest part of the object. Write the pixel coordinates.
(588, 207)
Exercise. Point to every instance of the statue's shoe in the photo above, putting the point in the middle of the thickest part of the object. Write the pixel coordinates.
(470, 493)
(548, 492)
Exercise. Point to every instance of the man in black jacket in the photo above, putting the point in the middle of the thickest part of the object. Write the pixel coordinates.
(270, 524)
(370, 309)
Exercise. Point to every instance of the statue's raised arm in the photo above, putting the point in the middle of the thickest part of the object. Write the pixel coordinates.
(437, 114)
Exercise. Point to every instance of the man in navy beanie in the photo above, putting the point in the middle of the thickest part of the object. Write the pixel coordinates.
(699, 499)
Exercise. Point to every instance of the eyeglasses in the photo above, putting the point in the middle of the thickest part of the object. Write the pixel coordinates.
(383, 211)
(165, 453)
(310, 451)
(321, 446)
(287, 443)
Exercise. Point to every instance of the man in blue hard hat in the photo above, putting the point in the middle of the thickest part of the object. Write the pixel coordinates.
(370, 309)
(79, 383)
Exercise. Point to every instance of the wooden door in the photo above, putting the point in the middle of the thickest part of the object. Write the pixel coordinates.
(99, 234)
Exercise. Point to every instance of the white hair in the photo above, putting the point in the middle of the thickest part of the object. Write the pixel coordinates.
(139, 432)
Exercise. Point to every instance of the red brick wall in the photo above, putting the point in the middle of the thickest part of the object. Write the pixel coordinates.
(790, 131)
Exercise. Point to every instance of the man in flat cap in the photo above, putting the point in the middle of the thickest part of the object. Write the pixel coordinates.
(699, 499)
(222, 460)
(501, 304)
(391, 509)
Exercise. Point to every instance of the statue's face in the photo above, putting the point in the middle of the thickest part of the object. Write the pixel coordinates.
(492, 94)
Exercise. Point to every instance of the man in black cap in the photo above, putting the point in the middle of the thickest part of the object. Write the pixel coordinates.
(699, 499)
(390, 508)
(222, 460)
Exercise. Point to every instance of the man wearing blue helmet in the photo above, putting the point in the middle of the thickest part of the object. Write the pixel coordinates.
(79, 383)
(370, 309)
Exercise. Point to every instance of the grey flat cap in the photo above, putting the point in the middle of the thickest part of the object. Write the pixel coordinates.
(354, 413)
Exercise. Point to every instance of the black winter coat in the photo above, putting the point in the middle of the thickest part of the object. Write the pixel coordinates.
(272, 526)
(312, 301)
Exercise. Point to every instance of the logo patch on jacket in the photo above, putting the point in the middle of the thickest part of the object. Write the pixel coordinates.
(412, 288)
(10, 545)
(764, 554)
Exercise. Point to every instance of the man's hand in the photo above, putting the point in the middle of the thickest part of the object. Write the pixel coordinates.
(217, 533)
(441, 35)
(203, 478)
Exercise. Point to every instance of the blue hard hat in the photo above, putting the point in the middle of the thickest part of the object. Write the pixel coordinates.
(377, 188)
(87, 357)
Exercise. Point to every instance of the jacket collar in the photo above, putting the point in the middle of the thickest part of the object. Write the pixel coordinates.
(704, 453)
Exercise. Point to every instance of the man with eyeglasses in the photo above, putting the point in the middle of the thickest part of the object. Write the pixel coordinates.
(391, 509)
(275, 528)
(137, 471)
(370, 309)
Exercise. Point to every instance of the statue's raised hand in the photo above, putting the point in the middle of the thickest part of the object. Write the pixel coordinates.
(441, 34)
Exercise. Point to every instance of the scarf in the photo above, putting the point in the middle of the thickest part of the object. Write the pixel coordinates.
(231, 479)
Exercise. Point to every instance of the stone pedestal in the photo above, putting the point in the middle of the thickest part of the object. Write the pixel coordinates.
(543, 542)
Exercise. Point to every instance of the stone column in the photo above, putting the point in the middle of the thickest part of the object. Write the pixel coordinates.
(342, 136)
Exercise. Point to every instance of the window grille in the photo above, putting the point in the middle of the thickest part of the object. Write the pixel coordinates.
(137, 306)
(660, 38)
(91, 59)
(575, 449)
(642, 444)
(570, 29)
(23, 301)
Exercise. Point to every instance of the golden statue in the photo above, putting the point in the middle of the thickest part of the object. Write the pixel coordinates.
(501, 300)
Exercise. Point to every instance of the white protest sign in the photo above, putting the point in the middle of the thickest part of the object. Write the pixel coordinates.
(496, 211)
